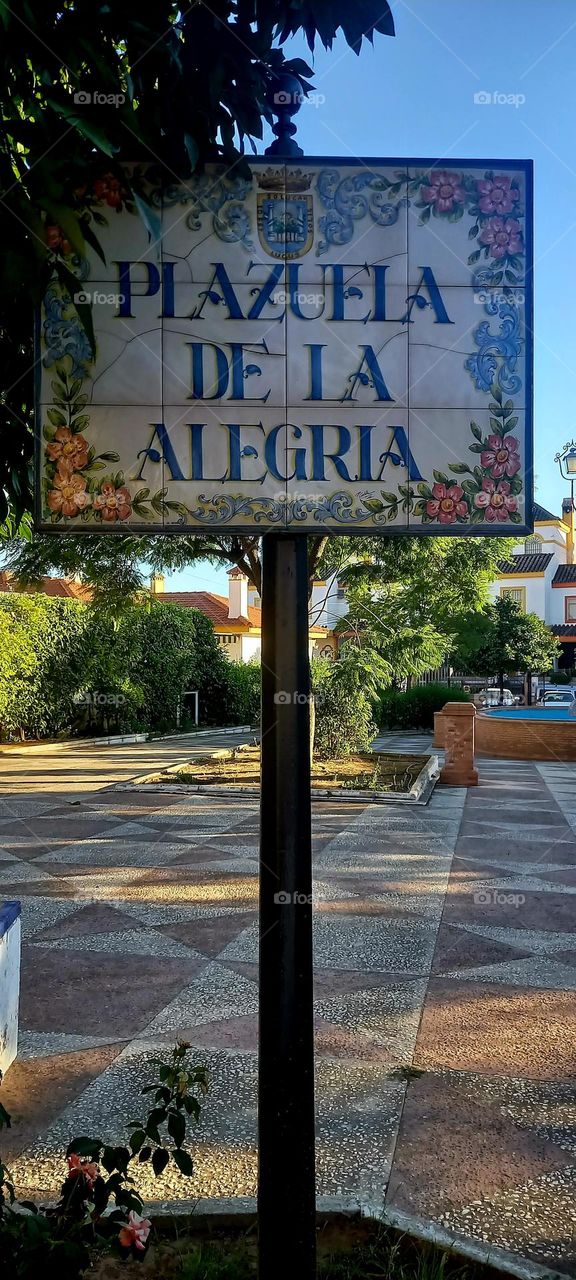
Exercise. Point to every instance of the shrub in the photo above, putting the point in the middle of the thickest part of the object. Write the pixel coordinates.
(343, 716)
(242, 692)
(415, 708)
(70, 667)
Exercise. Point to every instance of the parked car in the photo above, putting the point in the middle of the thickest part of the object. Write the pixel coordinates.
(493, 698)
(559, 698)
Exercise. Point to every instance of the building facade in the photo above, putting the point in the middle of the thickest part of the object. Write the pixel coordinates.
(237, 618)
(540, 576)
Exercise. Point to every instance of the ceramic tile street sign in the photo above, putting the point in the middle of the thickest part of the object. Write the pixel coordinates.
(339, 346)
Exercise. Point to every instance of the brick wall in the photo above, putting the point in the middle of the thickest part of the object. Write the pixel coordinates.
(525, 739)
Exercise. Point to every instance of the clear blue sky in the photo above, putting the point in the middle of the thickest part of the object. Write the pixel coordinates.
(414, 96)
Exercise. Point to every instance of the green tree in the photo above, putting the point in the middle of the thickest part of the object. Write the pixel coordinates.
(507, 641)
(408, 596)
(183, 84)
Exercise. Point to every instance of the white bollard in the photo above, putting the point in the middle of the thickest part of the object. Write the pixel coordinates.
(10, 935)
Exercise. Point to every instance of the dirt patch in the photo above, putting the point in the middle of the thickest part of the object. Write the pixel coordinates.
(349, 1250)
(240, 766)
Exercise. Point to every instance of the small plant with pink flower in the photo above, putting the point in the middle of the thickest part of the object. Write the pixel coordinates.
(99, 1206)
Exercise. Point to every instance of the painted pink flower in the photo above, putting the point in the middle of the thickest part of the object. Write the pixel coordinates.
(135, 1232)
(497, 195)
(68, 494)
(495, 499)
(501, 457)
(444, 191)
(114, 504)
(79, 1168)
(446, 504)
(502, 236)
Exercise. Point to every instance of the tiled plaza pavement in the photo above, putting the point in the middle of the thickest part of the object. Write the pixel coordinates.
(445, 938)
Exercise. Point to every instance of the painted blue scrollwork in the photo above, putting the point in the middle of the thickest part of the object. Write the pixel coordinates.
(497, 357)
(222, 197)
(63, 333)
(340, 507)
(348, 200)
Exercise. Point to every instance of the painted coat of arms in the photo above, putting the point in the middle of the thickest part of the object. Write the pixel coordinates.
(285, 213)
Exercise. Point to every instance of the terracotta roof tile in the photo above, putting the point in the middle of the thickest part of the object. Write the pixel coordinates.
(215, 608)
(56, 588)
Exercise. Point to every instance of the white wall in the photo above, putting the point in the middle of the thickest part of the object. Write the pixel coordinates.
(249, 648)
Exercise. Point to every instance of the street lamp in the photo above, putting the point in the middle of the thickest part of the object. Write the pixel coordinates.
(567, 462)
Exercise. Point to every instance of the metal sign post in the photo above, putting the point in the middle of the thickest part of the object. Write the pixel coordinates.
(286, 1129)
(286, 1181)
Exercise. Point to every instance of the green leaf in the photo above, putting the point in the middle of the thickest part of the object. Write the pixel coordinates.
(177, 1127)
(184, 1162)
(57, 419)
(71, 115)
(440, 477)
(476, 430)
(160, 1160)
(136, 1141)
(460, 468)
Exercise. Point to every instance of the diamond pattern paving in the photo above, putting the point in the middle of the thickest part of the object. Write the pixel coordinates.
(445, 941)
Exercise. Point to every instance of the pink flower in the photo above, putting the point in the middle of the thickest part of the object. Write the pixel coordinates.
(502, 457)
(79, 1168)
(444, 191)
(74, 448)
(496, 195)
(114, 504)
(135, 1232)
(68, 494)
(502, 236)
(495, 499)
(446, 505)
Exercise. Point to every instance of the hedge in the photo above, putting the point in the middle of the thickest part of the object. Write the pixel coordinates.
(415, 708)
(67, 667)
